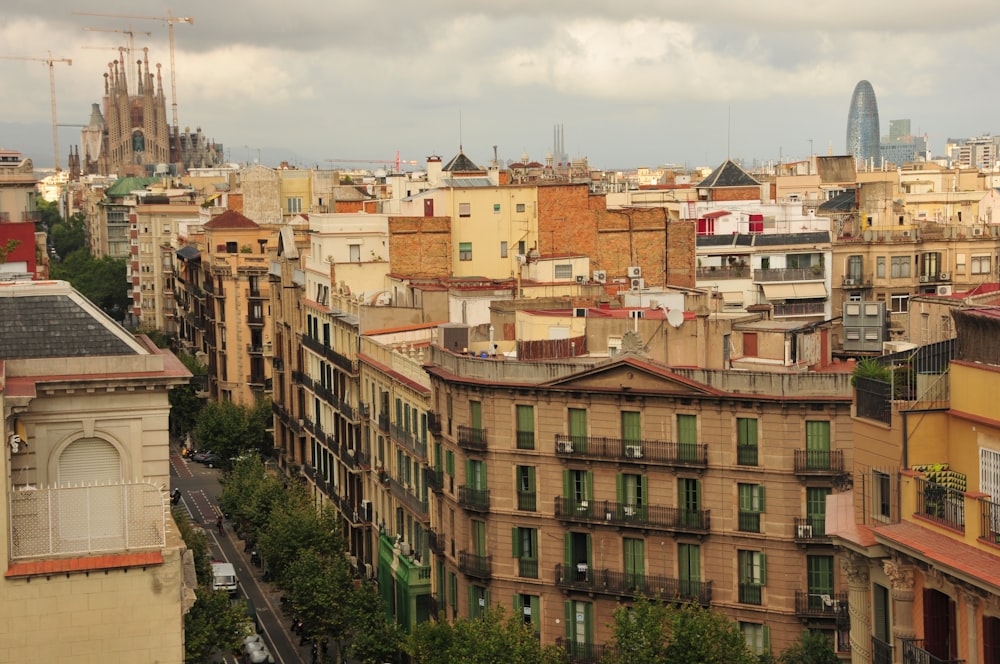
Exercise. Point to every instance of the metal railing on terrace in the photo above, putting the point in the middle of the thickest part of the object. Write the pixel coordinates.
(941, 503)
(471, 438)
(799, 308)
(84, 520)
(584, 578)
(694, 455)
(914, 653)
(638, 516)
(790, 274)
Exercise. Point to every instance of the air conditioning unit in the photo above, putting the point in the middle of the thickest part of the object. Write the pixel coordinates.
(584, 505)
(924, 278)
(633, 451)
(944, 290)
(977, 232)
(905, 233)
(944, 276)
(630, 510)
(805, 532)
(848, 281)
(366, 510)
(404, 549)
(581, 279)
(638, 284)
(601, 276)
(564, 446)
(634, 272)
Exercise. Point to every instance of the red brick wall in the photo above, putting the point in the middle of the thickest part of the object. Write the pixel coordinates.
(420, 246)
(348, 206)
(572, 221)
(734, 194)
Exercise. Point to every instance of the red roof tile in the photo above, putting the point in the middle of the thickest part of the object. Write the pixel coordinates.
(86, 564)
(231, 219)
(942, 551)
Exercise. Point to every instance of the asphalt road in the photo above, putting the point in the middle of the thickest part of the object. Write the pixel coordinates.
(200, 488)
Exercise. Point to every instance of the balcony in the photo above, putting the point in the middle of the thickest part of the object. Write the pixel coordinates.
(527, 568)
(255, 319)
(629, 584)
(914, 653)
(526, 501)
(819, 463)
(644, 452)
(748, 522)
(436, 542)
(434, 479)
(751, 593)
(255, 349)
(471, 438)
(799, 308)
(790, 274)
(254, 294)
(478, 567)
(989, 518)
(810, 530)
(584, 653)
(413, 503)
(474, 500)
(881, 651)
(714, 272)
(408, 440)
(525, 440)
(86, 520)
(941, 503)
(746, 455)
(383, 422)
(651, 517)
(820, 605)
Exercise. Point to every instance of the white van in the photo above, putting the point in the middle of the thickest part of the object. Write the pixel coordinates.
(224, 577)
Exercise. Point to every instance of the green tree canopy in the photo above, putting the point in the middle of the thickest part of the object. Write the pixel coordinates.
(232, 430)
(373, 638)
(810, 648)
(492, 638)
(102, 281)
(655, 631)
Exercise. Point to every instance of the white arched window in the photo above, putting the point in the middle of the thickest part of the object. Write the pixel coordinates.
(90, 496)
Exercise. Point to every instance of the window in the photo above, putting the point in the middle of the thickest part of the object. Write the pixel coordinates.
(631, 428)
(576, 487)
(757, 636)
(899, 303)
(525, 488)
(880, 267)
(496, 208)
(817, 445)
(525, 549)
(527, 606)
(960, 263)
(930, 264)
(355, 252)
(816, 510)
(854, 264)
(294, 204)
(687, 437)
(525, 427)
(503, 249)
(475, 474)
(689, 569)
(453, 592)
(563, 271)
(449, 462)
(980, 265)
(231, 248)
(900, 267)
(465, 251)
(579, 628)
(635, 562)
(752, 570)
(479, 601)
(751, 507)
(631, 491)
(746, 441)
(819, 576)
(519, 207)
(464, 209)
(881, 495)
(577, 422)
(689, 499)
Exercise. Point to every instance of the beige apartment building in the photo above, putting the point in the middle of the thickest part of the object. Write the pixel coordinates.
(94, 568)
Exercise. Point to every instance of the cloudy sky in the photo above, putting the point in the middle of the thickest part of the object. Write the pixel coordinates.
(634, 83)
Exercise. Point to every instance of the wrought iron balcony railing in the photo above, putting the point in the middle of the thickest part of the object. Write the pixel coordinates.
(637, 516)
(656, 452)
(612, 582)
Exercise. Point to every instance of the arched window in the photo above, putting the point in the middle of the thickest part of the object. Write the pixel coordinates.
(90, 500)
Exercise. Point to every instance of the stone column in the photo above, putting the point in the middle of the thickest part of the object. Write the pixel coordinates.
(901, 579)
(971, 601)
(859, 607)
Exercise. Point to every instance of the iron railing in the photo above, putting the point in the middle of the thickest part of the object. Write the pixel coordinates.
(751, 593)
(914, 653)
(990, 515)
(820, 605)
(475, 500)
(819, 462)
(810, 529)
(526, 501)
(881, 651)
(525, 440)
(474, 565)
(659, 452)
(612, 582)
(637, 516)
(941, 503)
(746, 455)
(471, 438)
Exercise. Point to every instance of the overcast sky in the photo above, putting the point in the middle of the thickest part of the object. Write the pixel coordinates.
(634, 83)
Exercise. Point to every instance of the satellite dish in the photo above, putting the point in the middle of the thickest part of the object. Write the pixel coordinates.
(675, 317)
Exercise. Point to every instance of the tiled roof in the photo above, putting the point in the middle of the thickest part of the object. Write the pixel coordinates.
(462, 164)
(231, 219)
(43, 326)
(945, 553)
(125, 186)
(845, 201)
(728, 175)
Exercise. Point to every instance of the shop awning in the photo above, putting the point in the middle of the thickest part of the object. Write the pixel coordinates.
(735, 297)
(806, 291)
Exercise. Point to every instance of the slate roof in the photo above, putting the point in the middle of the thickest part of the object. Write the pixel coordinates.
(231, 219)
(188, 252)
(728, 175)
(47, 326)
(461, 164)
(842, 202)
(762, 240)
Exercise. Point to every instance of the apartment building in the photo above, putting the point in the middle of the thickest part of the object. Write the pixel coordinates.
(919, 531)
(17, 188)
(94, 565)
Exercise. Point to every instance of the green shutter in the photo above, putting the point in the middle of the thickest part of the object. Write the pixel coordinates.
(568, 553)
(476, 414)
(473, 604)
(569, 621)
(767, 639)
(514, 541)
(763, 569)
(470, 478)
(818, 436)
(535, 612)
(631, 426)
(590, 559)
(518, 604)
(578, 425)
(588, 622)
(644, 483)
(760, 488)
(590, 485)
(525, 418)
(531, 479)
(620, 488)
(687, 429)
(449, 458)
(567, 485)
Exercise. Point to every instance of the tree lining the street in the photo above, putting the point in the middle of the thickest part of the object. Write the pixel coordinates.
(232, 430)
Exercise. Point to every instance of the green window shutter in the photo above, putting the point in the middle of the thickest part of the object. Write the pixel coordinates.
(449, 458)
(476, 414)
(620, 488)
(486, 597)
(535, 612)
(531, 479)
(818, 436)
(590, 485)
(631, 426)
(577, 424)
(687, 429)
(534, 543)
(767, 639)
(470, 477)
(590, 557)
(588, 622)
(473, 604)
(569, 621)
(744, 491)
(525, 418)
(644, 484)
(518, 604)
(763, 569)
(567, 485)
(568, 553)
(515, 542)
(761, 488)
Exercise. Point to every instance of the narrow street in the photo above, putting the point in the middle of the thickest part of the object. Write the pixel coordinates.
(200, 488)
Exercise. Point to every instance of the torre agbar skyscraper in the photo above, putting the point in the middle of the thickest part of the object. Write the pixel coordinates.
(863, 127)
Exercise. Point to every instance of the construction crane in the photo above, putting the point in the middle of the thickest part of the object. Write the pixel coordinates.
(170, 20)
(397, 161)
(50, 61)
(129, 32)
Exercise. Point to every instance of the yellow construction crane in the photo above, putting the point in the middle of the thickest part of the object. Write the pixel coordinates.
(169, 19)
(129, 32)
(50, 61)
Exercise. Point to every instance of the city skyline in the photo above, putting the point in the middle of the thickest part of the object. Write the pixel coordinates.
(644, 85)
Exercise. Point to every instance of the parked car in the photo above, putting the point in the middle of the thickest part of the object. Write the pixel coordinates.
(211, 459)
(199, 457)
